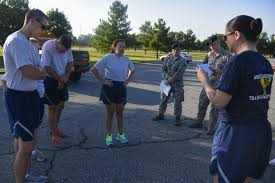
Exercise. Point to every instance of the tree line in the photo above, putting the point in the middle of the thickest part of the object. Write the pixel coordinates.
(155, 36)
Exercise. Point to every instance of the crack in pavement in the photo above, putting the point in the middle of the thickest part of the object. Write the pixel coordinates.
(51, 164)
(85, 138)
(81, 142)
(197, 136)
(7, 153)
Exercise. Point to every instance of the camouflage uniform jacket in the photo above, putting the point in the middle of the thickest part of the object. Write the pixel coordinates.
(174, 67)
(216, 61)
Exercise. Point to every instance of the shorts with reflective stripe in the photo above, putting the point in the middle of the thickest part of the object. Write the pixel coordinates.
(23, 109)
(241, 150)
(116, 94)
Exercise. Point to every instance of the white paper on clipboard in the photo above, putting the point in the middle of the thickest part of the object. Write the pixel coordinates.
(164, 88)
(205, 68)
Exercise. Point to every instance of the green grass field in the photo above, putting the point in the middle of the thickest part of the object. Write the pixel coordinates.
(135, 56)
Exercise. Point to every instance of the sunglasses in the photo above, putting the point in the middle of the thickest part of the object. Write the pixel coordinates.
(226, 35)
(43, 27)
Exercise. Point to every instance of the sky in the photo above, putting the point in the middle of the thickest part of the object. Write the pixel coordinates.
(204, 17)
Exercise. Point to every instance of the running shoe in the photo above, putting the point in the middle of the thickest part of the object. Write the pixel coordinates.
(122, 138)
(109, 140)
(57, 139)
(59, 132)
(272, 162)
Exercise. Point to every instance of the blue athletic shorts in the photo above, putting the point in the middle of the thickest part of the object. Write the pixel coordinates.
(114, 94)
(241, 150)
(52, 95)
(23, 109)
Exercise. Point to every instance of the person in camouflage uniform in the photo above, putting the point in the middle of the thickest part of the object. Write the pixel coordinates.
(173, 69)
(216, 59)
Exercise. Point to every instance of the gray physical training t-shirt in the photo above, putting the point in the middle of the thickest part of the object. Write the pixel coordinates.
(115, 67)
(55, 59)
(18, 51)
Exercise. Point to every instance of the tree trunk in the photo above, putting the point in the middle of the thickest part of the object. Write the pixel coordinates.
(157, 54)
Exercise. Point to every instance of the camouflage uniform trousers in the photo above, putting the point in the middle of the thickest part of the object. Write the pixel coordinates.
(202, 108)
(178, 94)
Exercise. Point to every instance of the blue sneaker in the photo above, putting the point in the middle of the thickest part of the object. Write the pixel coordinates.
(122, 138)
(109, 140)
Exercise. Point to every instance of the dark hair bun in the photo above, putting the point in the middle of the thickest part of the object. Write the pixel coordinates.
(256, 26)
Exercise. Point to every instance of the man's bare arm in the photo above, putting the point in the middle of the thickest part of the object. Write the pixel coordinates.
(3, 84)
(32, 72)
(52, 73)
(68, 70)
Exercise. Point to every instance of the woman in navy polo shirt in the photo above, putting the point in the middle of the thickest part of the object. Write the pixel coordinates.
(242, 143)
(118, 71)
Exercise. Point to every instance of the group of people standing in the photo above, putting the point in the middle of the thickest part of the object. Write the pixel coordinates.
(242, 143)
(173, 70)
(239, 92)
(29, 83)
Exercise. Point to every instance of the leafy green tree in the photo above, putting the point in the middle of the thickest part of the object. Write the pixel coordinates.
(11, 17)
(271, 46)
(263, 43)
(180, 37)
(58, 23)
(160, 40)
(74, 41)
(144, 36)
(84, 40)
(189, 39)
(222, 41)
(132, 42)
(172, 36)
(176, 37)
(116, 27)
(199, 45)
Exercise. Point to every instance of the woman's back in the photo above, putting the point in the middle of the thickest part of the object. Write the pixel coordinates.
(248, 78)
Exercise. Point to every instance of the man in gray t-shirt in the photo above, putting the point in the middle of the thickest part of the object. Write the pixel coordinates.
(57, 60)
(22, 73)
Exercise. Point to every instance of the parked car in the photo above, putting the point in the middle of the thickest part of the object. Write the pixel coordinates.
(80, 65)
(188, 57)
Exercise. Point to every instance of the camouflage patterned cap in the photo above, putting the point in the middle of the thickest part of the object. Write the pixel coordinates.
(211, 40)
(175, 45)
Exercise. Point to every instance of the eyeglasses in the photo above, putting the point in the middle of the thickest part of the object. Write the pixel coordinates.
(226, 35)
(43, 27)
